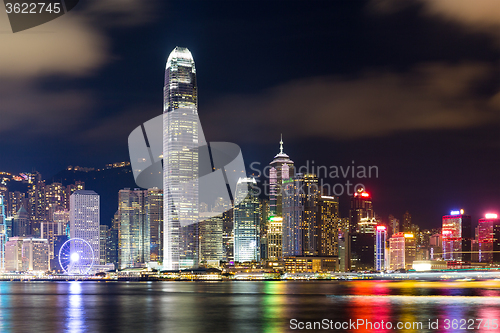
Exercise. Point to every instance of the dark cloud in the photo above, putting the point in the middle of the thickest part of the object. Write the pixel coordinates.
(480, 15)
(34, 111)
(429, 97)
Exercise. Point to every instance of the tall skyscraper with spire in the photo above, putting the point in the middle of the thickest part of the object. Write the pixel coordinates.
(281, 169)
(182, 135)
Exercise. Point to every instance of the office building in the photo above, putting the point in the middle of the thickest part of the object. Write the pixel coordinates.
(361, 208)
(265, 213)
(85, 220)
(181, 137)
(154, 219)
(457, 236)
(275, 238)
(360, 238)
(133, 229)
(282, 168)
(380, 240)
(3, 233)
(26, 254)
(103, 235)
(300, 216)
(402, 251)
(486, 237)
(329, 221)
(246, 217)
(59, 241)
(211, 241)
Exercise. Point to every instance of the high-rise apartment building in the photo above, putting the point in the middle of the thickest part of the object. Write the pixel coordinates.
(84, 219)
(182, 136)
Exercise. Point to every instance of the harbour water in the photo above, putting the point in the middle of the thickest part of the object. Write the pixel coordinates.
(267, 306)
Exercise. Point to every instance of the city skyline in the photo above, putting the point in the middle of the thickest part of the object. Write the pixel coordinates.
(249, 166)
(82, 114)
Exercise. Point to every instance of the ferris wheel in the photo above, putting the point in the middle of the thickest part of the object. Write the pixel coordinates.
(76, 256)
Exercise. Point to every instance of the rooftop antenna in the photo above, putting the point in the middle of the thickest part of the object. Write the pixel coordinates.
(281, 144)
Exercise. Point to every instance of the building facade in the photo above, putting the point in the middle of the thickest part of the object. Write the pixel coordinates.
(247, 222)
(301, 232)
(380, 240)
(402, 251)
(486, 237)
(85, 219)
(457, 236)
(181, 137)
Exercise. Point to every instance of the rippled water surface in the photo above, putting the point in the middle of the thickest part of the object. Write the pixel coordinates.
(245, 306)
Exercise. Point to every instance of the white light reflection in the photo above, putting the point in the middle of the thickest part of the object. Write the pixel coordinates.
(75, 313)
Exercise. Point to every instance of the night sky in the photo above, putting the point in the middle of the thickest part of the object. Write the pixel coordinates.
(411, 87)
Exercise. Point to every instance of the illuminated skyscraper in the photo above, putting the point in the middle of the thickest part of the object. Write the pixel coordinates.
(281, 169)
(211, 232)
(486, 237)
(402, 251)
(134, 232)
(275, 238)
(457, 233)
(154, 220)
(182, 136)
(380, 237)
(247, 222)
(300, 216)
(84, 219)
(3, 233)
(360, 242)
(103, 232)
(329, 222)
(361, 208)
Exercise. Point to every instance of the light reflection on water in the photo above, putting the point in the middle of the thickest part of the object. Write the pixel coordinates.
(233, 306)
